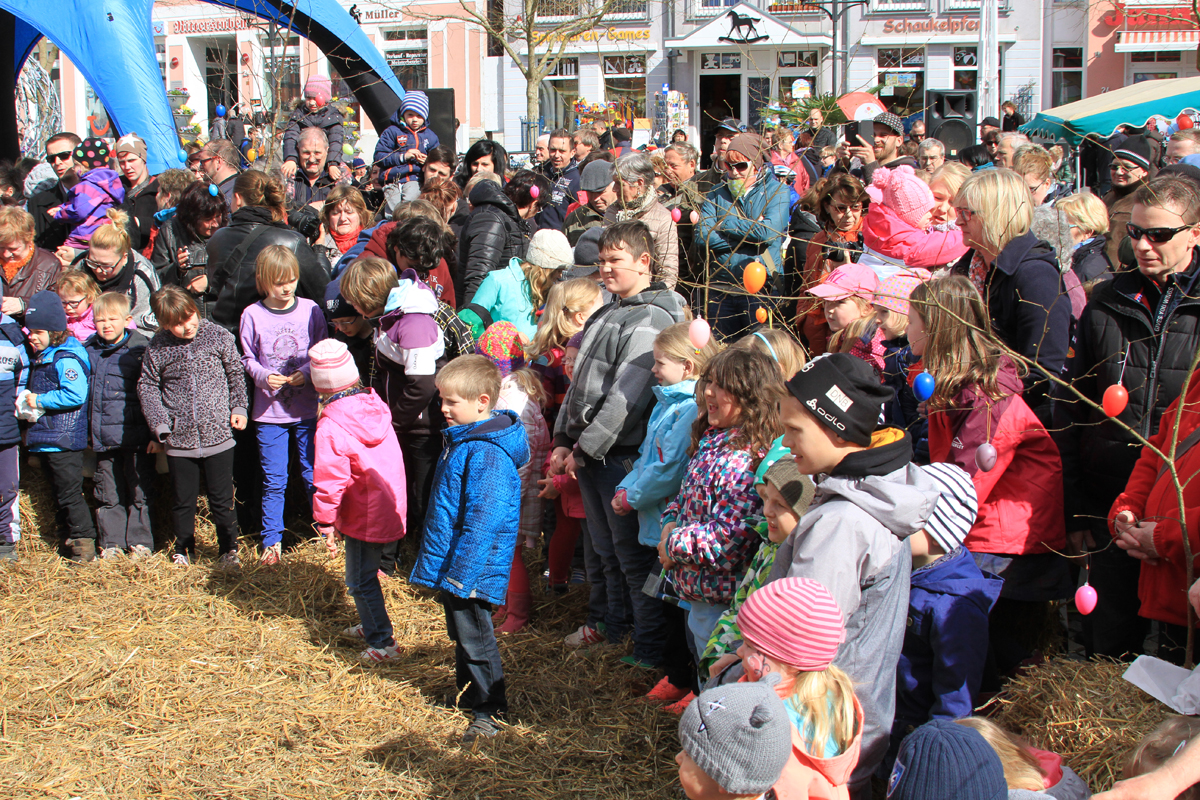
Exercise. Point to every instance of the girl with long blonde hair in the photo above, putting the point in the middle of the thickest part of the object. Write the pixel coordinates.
(569, 305)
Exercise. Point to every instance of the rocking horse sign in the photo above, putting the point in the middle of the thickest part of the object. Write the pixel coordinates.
(742, 30)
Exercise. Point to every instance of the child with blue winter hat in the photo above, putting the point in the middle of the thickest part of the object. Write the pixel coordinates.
(400, 152)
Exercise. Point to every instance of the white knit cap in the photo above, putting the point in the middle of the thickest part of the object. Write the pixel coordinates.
(549, 249)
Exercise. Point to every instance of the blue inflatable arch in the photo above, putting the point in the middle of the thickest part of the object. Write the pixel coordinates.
(112, 43)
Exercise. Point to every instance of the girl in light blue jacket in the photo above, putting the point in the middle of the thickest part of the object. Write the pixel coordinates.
(663, 460)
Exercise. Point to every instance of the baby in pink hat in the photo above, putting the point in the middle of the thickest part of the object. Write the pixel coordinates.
(896, 232)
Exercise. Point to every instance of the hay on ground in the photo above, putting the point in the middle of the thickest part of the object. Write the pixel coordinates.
(1084, 711)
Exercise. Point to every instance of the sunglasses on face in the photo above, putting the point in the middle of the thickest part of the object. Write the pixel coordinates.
(842, 209)
(737, 166)
(65, 155)
(1156, 235)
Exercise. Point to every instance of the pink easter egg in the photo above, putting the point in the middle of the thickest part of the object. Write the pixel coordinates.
(1085, 599)
(534, 191)
(695, 217)
(676, 214)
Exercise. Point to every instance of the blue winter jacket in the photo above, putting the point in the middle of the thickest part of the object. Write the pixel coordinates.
(662, 460)
(59, 378)
(14, 373)
(945, 643)
(115, 416)
(396, 140)
(902, 410)
(738, 231)
(474, 510)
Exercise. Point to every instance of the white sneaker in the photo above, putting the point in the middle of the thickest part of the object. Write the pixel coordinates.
(377, 655)
(110, 553)
(271, 555)
(180, 560)
(140, 551)
(354, 632)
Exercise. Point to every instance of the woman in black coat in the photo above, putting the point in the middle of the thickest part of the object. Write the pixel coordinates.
(180, 255)
(484, 155)
(256, 223)
(1088, 219)
(497, 229)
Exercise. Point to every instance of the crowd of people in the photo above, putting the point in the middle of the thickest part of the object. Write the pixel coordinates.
(830, 511)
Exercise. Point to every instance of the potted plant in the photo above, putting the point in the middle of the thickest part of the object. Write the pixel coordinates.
(177, 98)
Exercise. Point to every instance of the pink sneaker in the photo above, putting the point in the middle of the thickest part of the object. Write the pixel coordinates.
(678, 708)
(666, 692)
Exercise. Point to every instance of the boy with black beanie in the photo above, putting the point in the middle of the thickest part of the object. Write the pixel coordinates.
(869, 499)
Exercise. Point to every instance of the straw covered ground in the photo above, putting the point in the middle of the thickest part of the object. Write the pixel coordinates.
(139, 680)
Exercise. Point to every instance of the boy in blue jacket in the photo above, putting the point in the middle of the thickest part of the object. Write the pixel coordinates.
(400, 151)
(471, 530)
(946, 639)
(14, 372)
(119, 432)
(58, 387)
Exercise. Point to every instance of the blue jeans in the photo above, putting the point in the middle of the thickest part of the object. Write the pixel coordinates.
(627, 563)
(594, 569)
(362, 582)
(733, 315)
(701, 619)
(273, 448)
(478, 675)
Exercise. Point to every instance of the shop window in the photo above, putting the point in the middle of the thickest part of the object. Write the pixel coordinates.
(220, 77)
(1166, 57)
(629, 93)
(759, 93)
(902, 79)
(160, 53)
(789, 59)
(406, 34)
(281, 74)
(795, 89)
(966, 68)
(1139, 77)
(559, 93)
(411, 67)
(1067, 77)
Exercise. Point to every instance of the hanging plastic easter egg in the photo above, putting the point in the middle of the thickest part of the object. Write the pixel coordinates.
(761, 315)
(252, 155)
(213, 190)
(182, 154)
(348, 149)
(923, 386)
(1115, 400)
(220, 111)
(699, 332)
(754, 277)
(1184, 122)
(676, 214)
(985, 457)
(695, 217)
(1085, 599)
(534, 191)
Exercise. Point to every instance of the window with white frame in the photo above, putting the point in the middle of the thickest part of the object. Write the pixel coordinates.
(406, 51)
(888, 6)
(1067, 75)
(902, 78)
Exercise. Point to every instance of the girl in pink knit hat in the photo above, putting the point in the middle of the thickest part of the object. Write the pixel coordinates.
(897, 232)
(793, 627)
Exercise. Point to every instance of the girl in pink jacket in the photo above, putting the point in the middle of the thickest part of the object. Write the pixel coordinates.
(897, 233)
(360, 494)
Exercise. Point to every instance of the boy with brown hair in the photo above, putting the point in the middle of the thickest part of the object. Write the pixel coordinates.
(471, 530)
(600, 429)
(193, 393)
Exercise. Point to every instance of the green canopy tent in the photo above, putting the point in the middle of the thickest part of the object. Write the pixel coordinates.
(1129, 105)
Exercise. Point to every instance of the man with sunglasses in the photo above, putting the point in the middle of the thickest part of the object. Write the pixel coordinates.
(49, 233)
(219, 160)
(1130, 170)
(1139, 330)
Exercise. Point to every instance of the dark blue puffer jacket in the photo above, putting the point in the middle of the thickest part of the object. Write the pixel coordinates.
(474, 510)
(14, 372)
(902, 410)
(945, 643)
(115, 417)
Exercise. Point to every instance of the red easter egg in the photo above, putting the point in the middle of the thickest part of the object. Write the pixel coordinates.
(1115, 400)
(1184, 122)
(1085, 599)
(985, 456)
(534, 191)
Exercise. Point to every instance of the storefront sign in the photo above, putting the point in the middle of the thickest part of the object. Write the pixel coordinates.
(599, 35)
(1142, 17)
(721, 61)
(950, 25)
(218, 25)
(624, 65)
(407, 58)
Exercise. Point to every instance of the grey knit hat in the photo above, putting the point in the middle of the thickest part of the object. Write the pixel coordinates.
(739, 734)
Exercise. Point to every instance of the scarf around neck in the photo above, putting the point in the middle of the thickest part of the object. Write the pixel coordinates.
(639, 207)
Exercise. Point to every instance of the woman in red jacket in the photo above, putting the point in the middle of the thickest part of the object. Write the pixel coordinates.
(977, 405)
(1145, 522)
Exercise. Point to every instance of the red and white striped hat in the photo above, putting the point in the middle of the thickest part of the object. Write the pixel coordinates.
(332, 368)
(794, 621)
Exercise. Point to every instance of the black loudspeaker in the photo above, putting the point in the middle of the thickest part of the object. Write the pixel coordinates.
(951, 118)
(441, 115)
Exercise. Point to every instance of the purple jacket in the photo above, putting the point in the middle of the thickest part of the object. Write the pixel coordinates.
(88, 203)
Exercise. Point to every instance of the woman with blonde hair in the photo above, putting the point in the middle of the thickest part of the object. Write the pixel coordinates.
(1027, 767)
(115, 266)
(257, 223)
(1088, 218)
(25, 269)
(1018, 276)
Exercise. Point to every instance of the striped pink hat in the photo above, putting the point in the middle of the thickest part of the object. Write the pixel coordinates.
(794, 621)
(332, 369)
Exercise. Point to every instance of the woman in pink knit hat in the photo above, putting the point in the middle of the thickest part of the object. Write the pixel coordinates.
(897, 231)
(360, 493)
(793, 627)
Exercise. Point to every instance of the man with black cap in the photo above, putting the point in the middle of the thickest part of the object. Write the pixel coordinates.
(884, 150)
(869, 499)
(989, 124)
(1131, 168)
(600, 189)
(728, 129)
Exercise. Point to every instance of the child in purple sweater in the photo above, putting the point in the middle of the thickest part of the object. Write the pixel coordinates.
(88, 201)
(276, 334)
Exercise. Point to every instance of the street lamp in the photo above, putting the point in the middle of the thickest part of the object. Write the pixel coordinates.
(837, 12)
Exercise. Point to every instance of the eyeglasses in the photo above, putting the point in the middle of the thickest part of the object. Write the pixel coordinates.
(73, 303)
(1156, 235)
(737, 166)
(841, 208)
(98, 267)
(345, 322)
(1115, 167)
(65, 155)
(963, 213)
